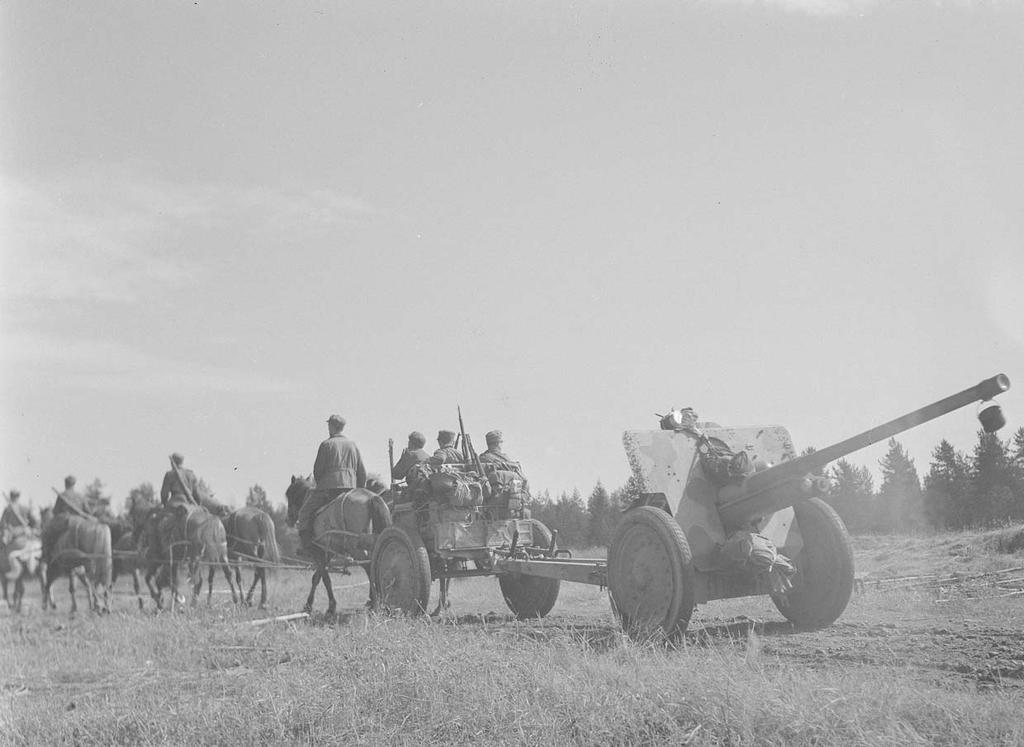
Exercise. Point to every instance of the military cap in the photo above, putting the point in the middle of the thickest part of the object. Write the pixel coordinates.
(336, 420)
(15, 492)
(445, 436)
(177, 458)
(69, 481)
(493, 437)
(417, 438)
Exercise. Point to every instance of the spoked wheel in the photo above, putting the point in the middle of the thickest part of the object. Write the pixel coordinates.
(824, 578)
(650, 574)
(400, 572)
(531, 596)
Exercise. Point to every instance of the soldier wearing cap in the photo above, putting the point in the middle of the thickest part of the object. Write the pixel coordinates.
(338, 468)
(69, 503)
(412, 454)
(446, 452)
(180, 485)
(494, 454)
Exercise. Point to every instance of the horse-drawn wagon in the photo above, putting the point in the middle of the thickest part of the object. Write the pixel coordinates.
(723, 513)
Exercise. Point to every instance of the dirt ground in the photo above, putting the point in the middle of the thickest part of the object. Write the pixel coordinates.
(955, 622)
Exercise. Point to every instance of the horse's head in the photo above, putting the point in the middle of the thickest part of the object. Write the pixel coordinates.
(296, 493)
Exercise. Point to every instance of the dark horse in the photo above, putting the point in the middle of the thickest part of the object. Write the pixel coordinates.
(342, 528)
(83, 549)
(251, 539)
(182, 534)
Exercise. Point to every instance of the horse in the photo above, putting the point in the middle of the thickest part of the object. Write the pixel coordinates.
(127, 558)
(83, 549)
(354, 515)
(192, 535)
(252, 539)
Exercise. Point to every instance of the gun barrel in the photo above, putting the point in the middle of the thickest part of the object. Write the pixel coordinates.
(768, 491)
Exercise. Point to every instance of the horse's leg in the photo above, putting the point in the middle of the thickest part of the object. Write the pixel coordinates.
(332, 604)
(261, 573)
(371, 603)
(137, 587)
(19, 592)
(3, 583)
(312, 591)
(90, 591)
(152, 585)
(226, 568)
(71, 590)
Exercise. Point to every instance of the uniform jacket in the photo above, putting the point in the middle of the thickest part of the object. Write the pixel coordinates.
(339, 464)
(70, 502)
(447, 455)
(408, 459)
(16, 519)
(172, 485)
(499, 459)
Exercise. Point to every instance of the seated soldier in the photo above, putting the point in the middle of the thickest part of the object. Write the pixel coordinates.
(69, 503)
(446, 452)
(180, 485)
(497, 459)
(494, 454)
(338, 468)
(412, 454)
(16, 519)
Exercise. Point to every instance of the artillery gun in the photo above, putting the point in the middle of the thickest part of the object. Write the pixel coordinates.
(716, 521)
(724, 513)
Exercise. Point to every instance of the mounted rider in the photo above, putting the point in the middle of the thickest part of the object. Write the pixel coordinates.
(69, 503)
(338, 468)
(18, 528)
(180, 485)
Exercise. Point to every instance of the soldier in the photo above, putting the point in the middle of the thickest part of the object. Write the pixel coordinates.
(180, 485)
(446, 452)
(16, 519)
(494, 454)
(69, 503)
(413, 454)
(338, 468)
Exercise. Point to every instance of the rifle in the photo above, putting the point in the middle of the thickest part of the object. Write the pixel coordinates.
(391, 459)
(462, 434)
(181, 481)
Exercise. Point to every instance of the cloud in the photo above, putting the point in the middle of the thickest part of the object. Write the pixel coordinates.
(120, 235)
(108, 365)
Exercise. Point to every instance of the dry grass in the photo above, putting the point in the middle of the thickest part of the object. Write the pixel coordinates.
(206, 676)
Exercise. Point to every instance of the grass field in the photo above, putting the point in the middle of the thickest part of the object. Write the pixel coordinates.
(926, 664)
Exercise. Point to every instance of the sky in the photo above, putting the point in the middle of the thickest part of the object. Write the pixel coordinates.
(222, 222)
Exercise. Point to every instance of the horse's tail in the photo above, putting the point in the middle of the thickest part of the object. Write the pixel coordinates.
(271, 552)
(103, 556)
(380, 514)
(214, 541)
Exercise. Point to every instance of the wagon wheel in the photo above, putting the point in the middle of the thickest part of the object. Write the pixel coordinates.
(824, 578)
(650, 574)
(400, 572)
(531, 596)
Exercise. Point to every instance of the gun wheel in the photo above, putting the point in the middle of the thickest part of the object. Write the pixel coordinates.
(650, 574)
(531, 596)
(400, 573)
(824, 579)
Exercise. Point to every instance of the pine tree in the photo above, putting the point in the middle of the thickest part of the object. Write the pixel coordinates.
(992, 482)
(947, 493)
(599, 515)
(899, 505)
(97, 502)
(140, 498)
(852, 494)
